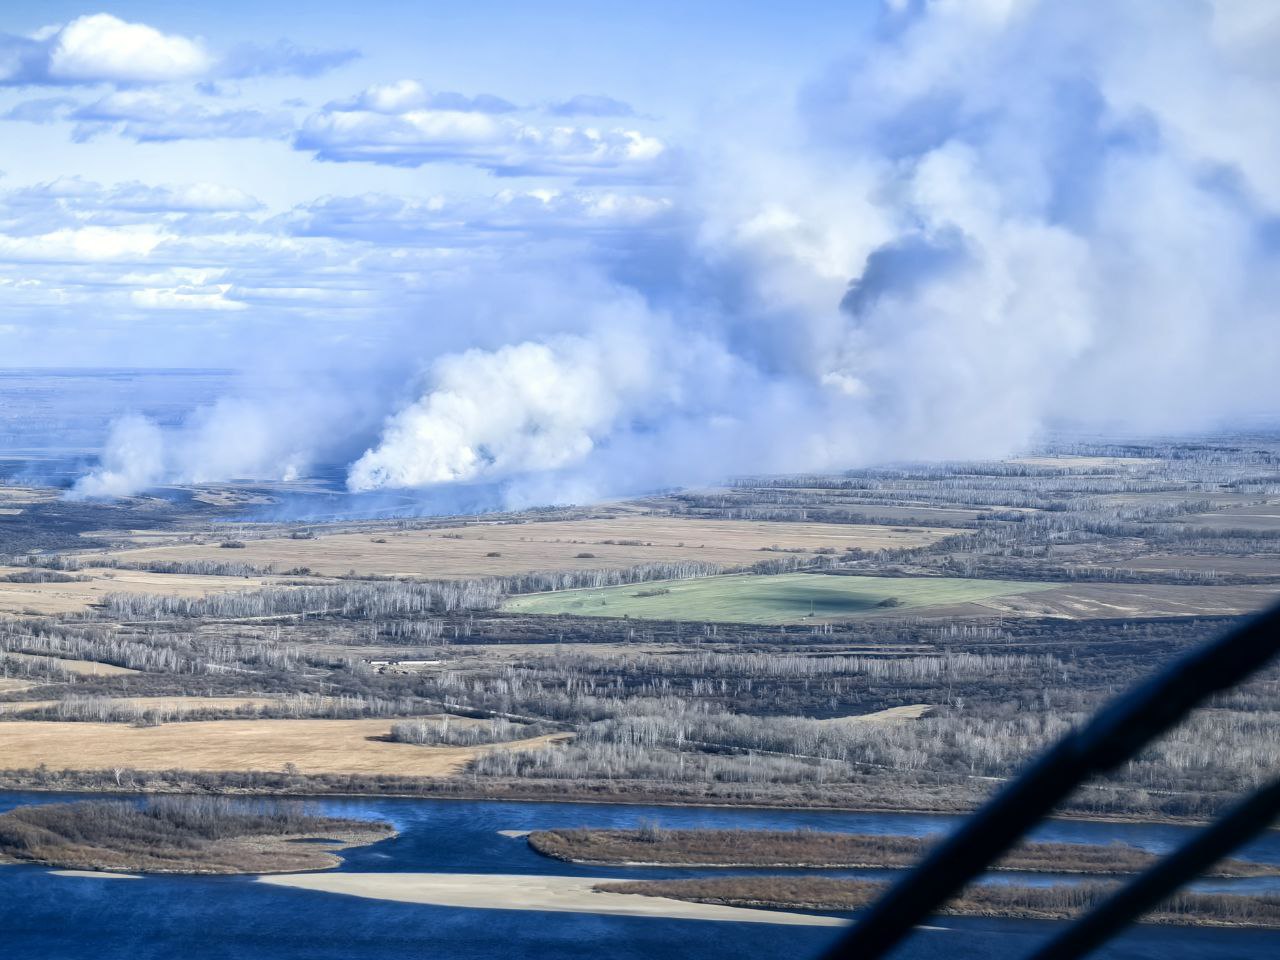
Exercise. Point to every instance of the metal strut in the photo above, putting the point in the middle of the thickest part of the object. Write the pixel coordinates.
(1114, 735)
(1149, 888)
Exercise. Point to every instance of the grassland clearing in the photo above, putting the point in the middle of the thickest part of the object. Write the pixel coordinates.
(913, 711)
(311, 746)
(91, 585)
(786, 598)
(614, 543)
(141, 705)
(83, 668)
(1118, 600)
(1262, 517)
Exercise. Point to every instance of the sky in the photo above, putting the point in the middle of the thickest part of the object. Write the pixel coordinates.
(580, 249)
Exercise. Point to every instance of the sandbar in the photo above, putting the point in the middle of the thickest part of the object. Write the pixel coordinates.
(545, 893)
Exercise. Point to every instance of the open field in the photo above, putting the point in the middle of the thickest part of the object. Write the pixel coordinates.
(91, 585)
(1262, 517)
(1116, 600)
(83, 668)
(558, 894)
(1018, 597)
(141, 705)
(496, 549)
(312, 746)
(911, 711)
(1261, 566)
(786, 598)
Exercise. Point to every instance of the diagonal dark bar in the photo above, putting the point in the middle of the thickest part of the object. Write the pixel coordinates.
(1239, 824)
(1115, 734)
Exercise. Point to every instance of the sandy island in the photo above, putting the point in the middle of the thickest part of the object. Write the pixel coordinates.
(548, 893)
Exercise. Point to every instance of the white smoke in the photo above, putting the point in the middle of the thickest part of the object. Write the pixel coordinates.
(993, 216)
(522, 408)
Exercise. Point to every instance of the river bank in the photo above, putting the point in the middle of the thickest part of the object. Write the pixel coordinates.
(1007, 902)
(286, 785)
(652, 845)
(206, 917)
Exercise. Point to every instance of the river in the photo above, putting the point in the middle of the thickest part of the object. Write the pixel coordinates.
(43, 915)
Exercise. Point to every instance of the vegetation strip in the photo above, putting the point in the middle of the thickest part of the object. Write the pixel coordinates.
(984, 900)
(805, 848)
(205, 835)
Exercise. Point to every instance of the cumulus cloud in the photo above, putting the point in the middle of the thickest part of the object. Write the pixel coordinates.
(103, 49)
(402, 124)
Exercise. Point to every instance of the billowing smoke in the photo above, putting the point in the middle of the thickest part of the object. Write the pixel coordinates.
(993, 216)
(522, 408)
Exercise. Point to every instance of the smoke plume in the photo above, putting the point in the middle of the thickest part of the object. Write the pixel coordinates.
(989, 218)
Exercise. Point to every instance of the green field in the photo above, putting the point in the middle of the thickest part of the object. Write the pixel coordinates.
(786, 598)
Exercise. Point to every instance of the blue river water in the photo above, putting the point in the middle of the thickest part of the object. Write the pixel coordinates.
(47, 916)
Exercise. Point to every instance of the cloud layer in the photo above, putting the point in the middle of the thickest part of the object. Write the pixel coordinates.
(103, 49)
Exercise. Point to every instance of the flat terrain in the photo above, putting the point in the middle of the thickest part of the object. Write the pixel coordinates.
(140, 705)
(54, 598)
(181, 835)
(313, 746)
(82, 668)
(1263, 517)
(559, 894)
(1111, 600)
(808, 848)
(785, 598)
(617, 543)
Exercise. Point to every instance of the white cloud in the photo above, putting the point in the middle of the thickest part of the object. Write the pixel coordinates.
(102, 48)
(401, 124)
(152, 116)
(190, 297)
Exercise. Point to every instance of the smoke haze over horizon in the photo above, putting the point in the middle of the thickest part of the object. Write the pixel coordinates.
(922, 230)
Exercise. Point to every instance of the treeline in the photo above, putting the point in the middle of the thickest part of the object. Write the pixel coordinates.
(179, 835)
(101, 709)
(654, 844)
(358, 600)
(449, 731)
(1061, 902)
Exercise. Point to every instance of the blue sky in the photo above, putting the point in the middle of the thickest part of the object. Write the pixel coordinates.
(669, 70)
(572, 245)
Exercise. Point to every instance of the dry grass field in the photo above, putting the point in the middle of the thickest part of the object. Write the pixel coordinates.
(85, 668)
(1119, 600)
(17, 497)
(1263, 517)
(912, 711)
(58, 598)
(496, 549)
(312, 746)
(1258, 566)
